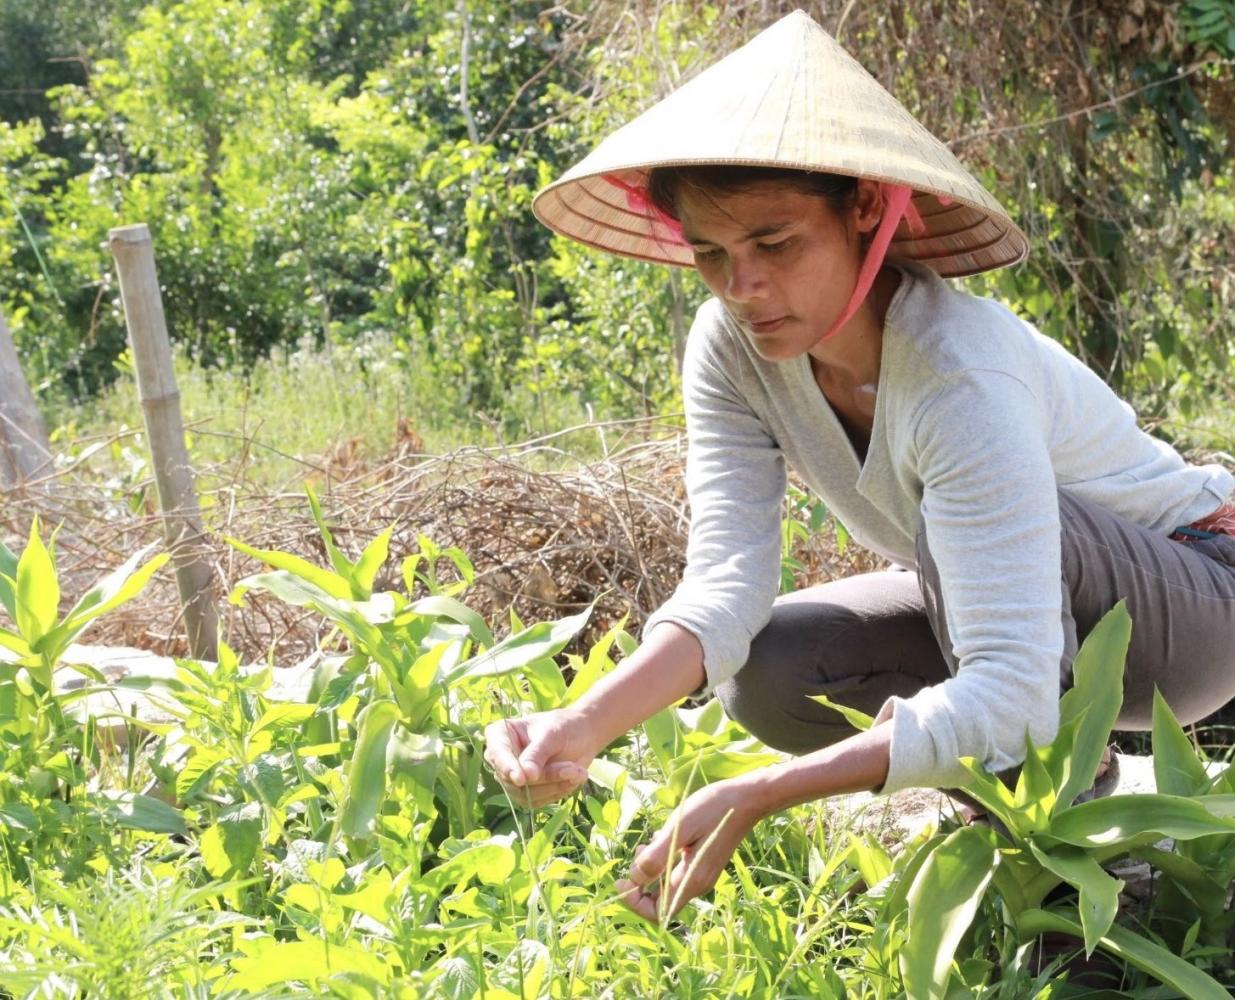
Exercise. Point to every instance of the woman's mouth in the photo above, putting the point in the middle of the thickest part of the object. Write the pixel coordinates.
(767, 325)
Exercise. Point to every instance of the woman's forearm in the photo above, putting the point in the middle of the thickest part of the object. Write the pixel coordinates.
(664, 669)
(856, 764)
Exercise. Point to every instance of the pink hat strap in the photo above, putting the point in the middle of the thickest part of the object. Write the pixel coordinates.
(899, 204)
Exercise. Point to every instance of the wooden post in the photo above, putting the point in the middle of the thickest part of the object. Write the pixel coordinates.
(24, 451)
(160, 399)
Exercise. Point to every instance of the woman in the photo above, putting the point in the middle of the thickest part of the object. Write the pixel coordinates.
(947, 434)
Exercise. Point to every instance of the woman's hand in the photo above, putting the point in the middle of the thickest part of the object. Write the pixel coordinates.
(540, 758)
(685, 858)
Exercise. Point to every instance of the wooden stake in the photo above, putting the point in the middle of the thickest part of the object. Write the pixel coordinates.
(24, 451)
(160, 399)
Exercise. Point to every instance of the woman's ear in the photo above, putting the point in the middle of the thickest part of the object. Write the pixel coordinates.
(868, 205)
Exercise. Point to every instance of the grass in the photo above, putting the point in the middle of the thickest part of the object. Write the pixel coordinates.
(296, 412)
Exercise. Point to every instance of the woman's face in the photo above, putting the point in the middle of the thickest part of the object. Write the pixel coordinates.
(783, 262)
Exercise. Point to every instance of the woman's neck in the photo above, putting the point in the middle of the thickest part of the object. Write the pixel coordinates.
(851, 356)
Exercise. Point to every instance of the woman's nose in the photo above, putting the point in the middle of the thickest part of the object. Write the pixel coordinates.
(745, 281)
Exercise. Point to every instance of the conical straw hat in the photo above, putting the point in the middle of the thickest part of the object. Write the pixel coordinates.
(791, 97)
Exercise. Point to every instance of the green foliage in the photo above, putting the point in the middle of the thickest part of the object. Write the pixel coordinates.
(349, 843)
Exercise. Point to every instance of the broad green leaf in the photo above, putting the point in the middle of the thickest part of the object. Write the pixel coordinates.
(288, 714)
(370, 561)
(991, 794)
(870, 858)
(942, 902)
(266, 962)
(373, 898)
(139, 812)
(513, 652)
(1035, 791)
(896, 902)
(303, 594)
(1178, 770)
(1099, 892)
(491, 863)
(11, 640)
(120, 585)
(331, 583)
(1147, 956)
(366, 777)
(230, 844)
(38, 590)
(1126, 818)
(448, 607)
(19, 820)
(859, 720)
(1095, 698)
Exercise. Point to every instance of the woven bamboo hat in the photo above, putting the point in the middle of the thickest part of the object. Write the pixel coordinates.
(791, 97)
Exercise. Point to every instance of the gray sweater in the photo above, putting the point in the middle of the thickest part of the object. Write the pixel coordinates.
(979, 419)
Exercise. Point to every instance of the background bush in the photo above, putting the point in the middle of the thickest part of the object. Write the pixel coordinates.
(325, 171)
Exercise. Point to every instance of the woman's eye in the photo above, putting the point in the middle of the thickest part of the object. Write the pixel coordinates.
(714, 253)
(776, 247)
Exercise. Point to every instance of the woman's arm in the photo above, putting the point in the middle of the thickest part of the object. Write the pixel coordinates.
(686, 856)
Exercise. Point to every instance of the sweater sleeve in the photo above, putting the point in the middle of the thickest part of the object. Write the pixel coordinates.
(735, 482)
(991, 515)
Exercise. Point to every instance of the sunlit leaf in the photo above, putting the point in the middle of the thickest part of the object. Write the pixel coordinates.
(38, 590)
(1099, 892)
(1124, 818)
(1178, 770)
(859, 720)
(1095, 697)
(366, 777)
(942, 902)
(513, 652)
(331, 583)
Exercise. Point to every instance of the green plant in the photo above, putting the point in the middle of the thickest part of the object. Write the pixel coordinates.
(406, 657)
(1044, 841)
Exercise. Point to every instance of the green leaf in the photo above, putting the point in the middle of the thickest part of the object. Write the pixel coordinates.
(1177, 768)
(288, 714)
(1147, 956)
(366, 777)
(230, 845)
(515, 651)
(304, 594)
(139, 812)
(1122, 819)
(370, 561)
(491, 863)
(942, 902)
(338, 560)
(1099, 891)
(8, 581)
(331, 583)
(448, 607)
(1095, 698)
(859, 720)
(120, 585)
(1035, 791)
(38, 590)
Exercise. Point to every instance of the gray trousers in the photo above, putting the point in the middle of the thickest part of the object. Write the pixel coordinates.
(864, 638)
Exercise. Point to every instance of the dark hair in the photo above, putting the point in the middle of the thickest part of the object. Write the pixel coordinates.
(665, 184)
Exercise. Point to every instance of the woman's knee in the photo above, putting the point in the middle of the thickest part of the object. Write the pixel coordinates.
(858, 642)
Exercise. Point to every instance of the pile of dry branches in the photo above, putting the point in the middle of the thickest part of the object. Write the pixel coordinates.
(548, 535)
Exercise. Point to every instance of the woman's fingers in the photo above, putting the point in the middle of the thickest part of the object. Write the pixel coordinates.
(644, 903)
(505, 740)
